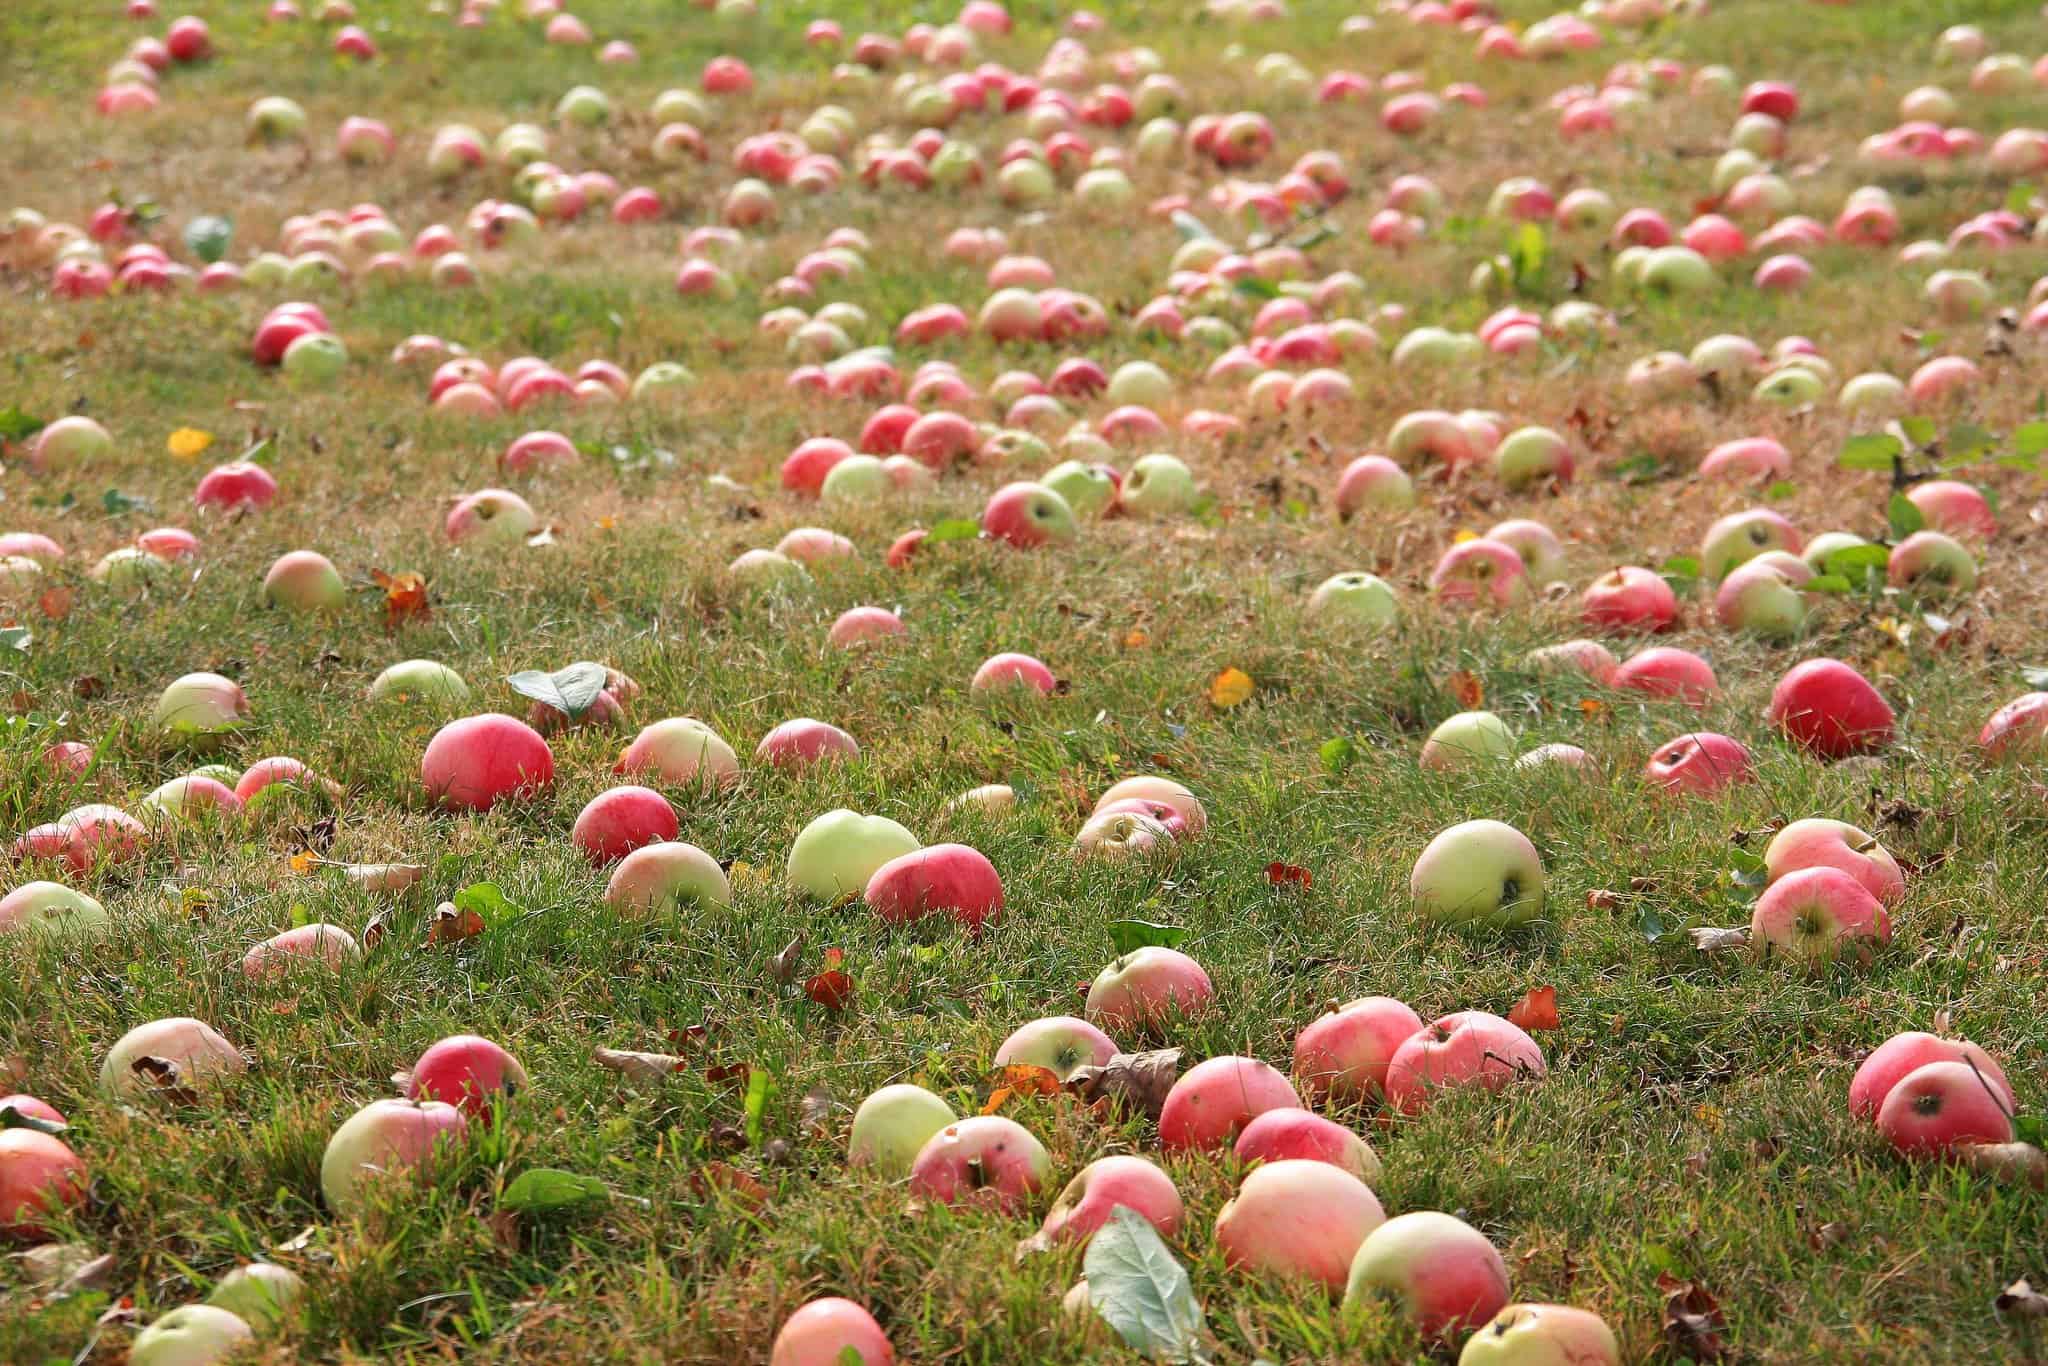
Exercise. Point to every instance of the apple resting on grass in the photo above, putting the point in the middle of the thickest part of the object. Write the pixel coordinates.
(1469, 739)
(1288, 1135)
(801, 741)
(986, 1161)
(380, 1143)
(831, 1332)
(1441, 1272)
(190, 1335)
(479, 761)
(1343, 1055)
(1542, 1335)
(1059, 1043)
(262, 1294)
(1941, 1106)
(1304, 1220)
(421, 680)
(892, 1126)
(1085, 1204)
(621, 819)
(178, 1054)
(200, 708)
(949, 878)
(1147, 987)
(1480, 873)
(1830, 710)
(682, 752)
(1814, 913)
(2017, 729)
(836, 854)
(329, 946)
(1468, 1049)
(1891, 1061)
(670, 873)
(1702, 762)
(465, 1071)
(1213, 1101)
(1818, 843)
(1153, 788)
(39, 1176)
(51, 908)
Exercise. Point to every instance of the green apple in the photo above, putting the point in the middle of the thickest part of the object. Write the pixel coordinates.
(1087, 488)
(51, 908)
(1481, 873)
(200, 708)
(856, 479)
(1140, 382)
(837, 853)
(420, 680)
(1468, 739)
(191, 1335)
(1158, 486)
(261, 1293)
(1355, 599)
(892, 1126)
(583, 104)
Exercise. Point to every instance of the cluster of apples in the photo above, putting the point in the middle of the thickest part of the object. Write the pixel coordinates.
(467, 384)
(1933, 1097)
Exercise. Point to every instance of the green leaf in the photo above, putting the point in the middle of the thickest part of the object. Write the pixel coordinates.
(1826, 583)
(1903, 516)
(118, 503)
(1138, 1288)
(544, 1190)
(1780, 491)
(1967, 440)
(1919, 430)
(570, 691)
(1337, 754)
(1527, 252)
(301, 917)
(263, 452)
(15, 425)
(15, 638)
(1742, 861)
(2030, 1129)
(208, 237)
(953, 529)
(1128, 936)
(2020, 198)
(760, 1086)
(851, 1356)
(1191, 228)
(1641, 468)
(2030, 439)
(1870, 451)
(489, 902)
(12, 1117)
(1654, 924)
(1256, 287)
(1857, 563)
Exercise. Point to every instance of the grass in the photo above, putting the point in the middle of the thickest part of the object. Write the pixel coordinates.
(1693, 1125)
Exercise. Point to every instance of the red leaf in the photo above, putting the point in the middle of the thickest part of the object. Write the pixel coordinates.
(831, 990)
(1289, 875)
(1537, 1010)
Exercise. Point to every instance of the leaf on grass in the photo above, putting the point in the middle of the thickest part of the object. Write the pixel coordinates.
(303, 862)
(1466, 689)
(187, 442)
(639, 1067)
(711, 1178)
(450, 924)
(1536, 1010)
(1337, 754)
(1230, 687)
(1870, 451)
(1289, 875)
(1856, 563)
(1903, 516)
(486, 901)
(1654, 924)
(1021, 1079)
(405, 598)
(831, 989)
(55, 603)
(1135, 639)
(2019, 1164)
(15, 425)
(1137, 1082)
(116, 503)
(1128, 936)
(544, 1190)
(1140, 1290)
(1711, 940)
(2030, 439)
(760, 1087)
(782, 967)
(570, 691)
(383, 877)
(1693, 1321)
(953, 529)
(2021, 1301)
(162, 1077)
(15, 638)
(376, 930)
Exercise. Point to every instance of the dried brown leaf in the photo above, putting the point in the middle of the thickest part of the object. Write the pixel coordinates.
(2021, 1301)
(1135, 1081)
(639, 1067)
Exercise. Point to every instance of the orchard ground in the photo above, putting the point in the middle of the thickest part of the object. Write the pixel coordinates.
(1694, 1123)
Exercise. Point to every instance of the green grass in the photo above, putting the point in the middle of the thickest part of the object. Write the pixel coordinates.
(1693, 1124)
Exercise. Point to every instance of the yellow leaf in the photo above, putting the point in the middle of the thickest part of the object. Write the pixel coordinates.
(187, 442)
(606, 523)
(1230, 687)
(304, 861)
(1135, 639)
(1465, 534)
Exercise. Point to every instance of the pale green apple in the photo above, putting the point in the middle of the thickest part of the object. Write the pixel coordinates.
(1158, 486)
(837, 853)
(191, 1335)
(1479, 872)
(892, 1126)
(1355, 599)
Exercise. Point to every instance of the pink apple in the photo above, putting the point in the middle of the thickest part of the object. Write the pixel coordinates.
(479, 761)
(1819, 843)
(1891, 1061)
(985, 1161)
(1343, 1055)
(1940, 1106)
(1953, 507)
(234, 486)
(39, 1177)
(1441, 1271)
(621, 819)
(1147, 987)
(1059, 1043)
(1216, 1098)
(1666, 671)
(800, 742)
(32, 1107)
(1812, 914)
(179, 1052)
(1479, 572)
(1588, 657)
(1026, 515)
(1830, 710)
(949, 878)
(1010, 671)
(380, 1143)
(1629, 599)
(329, 946)
(1702, 762)
(1152, 787)
(1750, 457)
(682, 752)
(283, 772)
(465, 1071)
(668, 873)
(2017, 729)
(1289, 1135)
(863, 625)
(831, 1332)
(1300, 1220)
(1088, 1200)
(1468, 1049)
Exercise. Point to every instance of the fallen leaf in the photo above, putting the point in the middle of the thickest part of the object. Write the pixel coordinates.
(382, 877)
(2021, 1301)
(831, 989)
(607, 522)
(1021, 1079)
(1693, 1321)
(450, 925)
(814, 1111)
(1135, 1081)
(2019, 1164)
(1289, 875)
(187, 442)
(713, 1177)
(405, 598)
(1230, 687)
(1135, 639)
(639, 1067)
(1709, 940)
(729, 1071)
(1466, 689)
(88, 686)
(304, 862)
(374, 932)
(1600, 899)
(55, 603)
(1536, 1010)
(782, 967)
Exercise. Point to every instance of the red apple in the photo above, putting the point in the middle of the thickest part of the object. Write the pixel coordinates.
(1304, 1220)
(1443, 1273)
(1666, 671)
(465, 1071)
(800, 742)
(39, 1176)
(1829, 709)
(479, 761)
(831, 1332)
(1701, 762)
(1629, 599)
(1892, 1060)
(1940, 1106)
(1290, 1135)
(951, 878)
(1468, 1049)
(1088, 1200)
(1343, 1055)
(987, 1161)
(1216, 1098)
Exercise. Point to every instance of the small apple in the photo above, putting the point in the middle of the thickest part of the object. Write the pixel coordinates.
(262, 1294)
(1146, 988)
(1588, 657)
(199, 709)
(1629, 599)
(1165, 791)
(987, 1161)
(1011, 672)
(801, 741)
(1542, 553)
(177, 1054)
(1830, 710)
(1480, 573)
(1955, 508)
(1298, 1219)
(1666, 671)
(1026, 515)
(1530, 454)
(304, 581)
(191, 1335)
(476, 762)
(491, 517)
(831, 1332)
(949, 878)
(619, 820)
(1288, 1135)
(1468, 740)
(331, 946)
(667, 873)
(1087, 1201)
(1216, 1098)
(682, 752)
(1089, 490)
(892, 1126)
(1701, 762)
(1763, 599)
(1813, 912)
(1742, 536)
(1542, 1335)
(421, 680)
(1468, 1049)
(1480, 872)
(1122, 833)
(836, 854)
(1931, 564)
(1940, 1106)
(1442, 1272)
(381, 1142)
(1061, 1044)
(1356, 599)
(864, 625)
(1375, 483)
(2019, 729)
(1158, 486)
(467, 1072)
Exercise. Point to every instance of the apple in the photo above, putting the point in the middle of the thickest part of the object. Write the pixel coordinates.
(491, 517)
(468, 1072)
(2017, 729)
(1902, 1054)
(1088, 490)
(664, 874)
(1830, 710)
(1026, 515)
(986, 1161)
(1762, 598)
(1298, 1219)
(952, 878)
(991, 798)
(1010, 672)
(1811, 912)
(621, 819)
(33, 1108)
(68, 443)
(1542, 553)
(836, 854)
(1470, 739)
(1287, 1135)
(329, 945)
(892, 1126)
(31, 545)
(1443, 1273)
(1087, 1201)
(1819, 843)
(51, 908)
(1955, 508)
(69, 758)
(1542, 1335)
(1216, 1098)
(1700, 762)
(683, 752)
(421, 680)
(1666, 671)
(96, 833)
(1530, 454)
(304, 581)
(281, 772)
(200, 708)
(1061, 1044)
(380, 1142)
(1751, 457)
(1376, 483)
(39, 1176)
(179, 1054)
(1157, 485)
(1146, 988)
(1165, 791)
(1343, 1054)
(1355, 599)
(1742, 536)
(191, 1335)
(831, 1332)
(1588, 657)
(801, 741)
(1479, 872)
(1931, 564)
(1479, 572)
(193, 798)
(1630, 599)
(1939, 1106)
(1468, 1049)
(476, 762)
(262, 1294)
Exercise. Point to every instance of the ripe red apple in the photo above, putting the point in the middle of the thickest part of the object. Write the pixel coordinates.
(800, 742)
(1588, 657)
(1442, 1272)
(988, 1161)
(32, 1107)
(1010, 671)
(621, 819)
(1297, 1219)
(1667, 671)
(331, 946)
(39, 1176)
(831, 1332)
(1146, 987)
(1819, 843)
(1087, 1201)
(949, 878)
(1701, 762)
(1891, 1061)
(862, 625)
(465, 1071)
(479, 761)
(1629, 599)
(1291, 1135)
(1480, 573)
(1468, 1049)
(1026, 515)
(1343, 1055)
(381, 1142)
(1830, 710)
(235, 485)
(683, 752)
(1812, 913)
(1216, 1098)
(1939, 1106)
(2019, 728)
